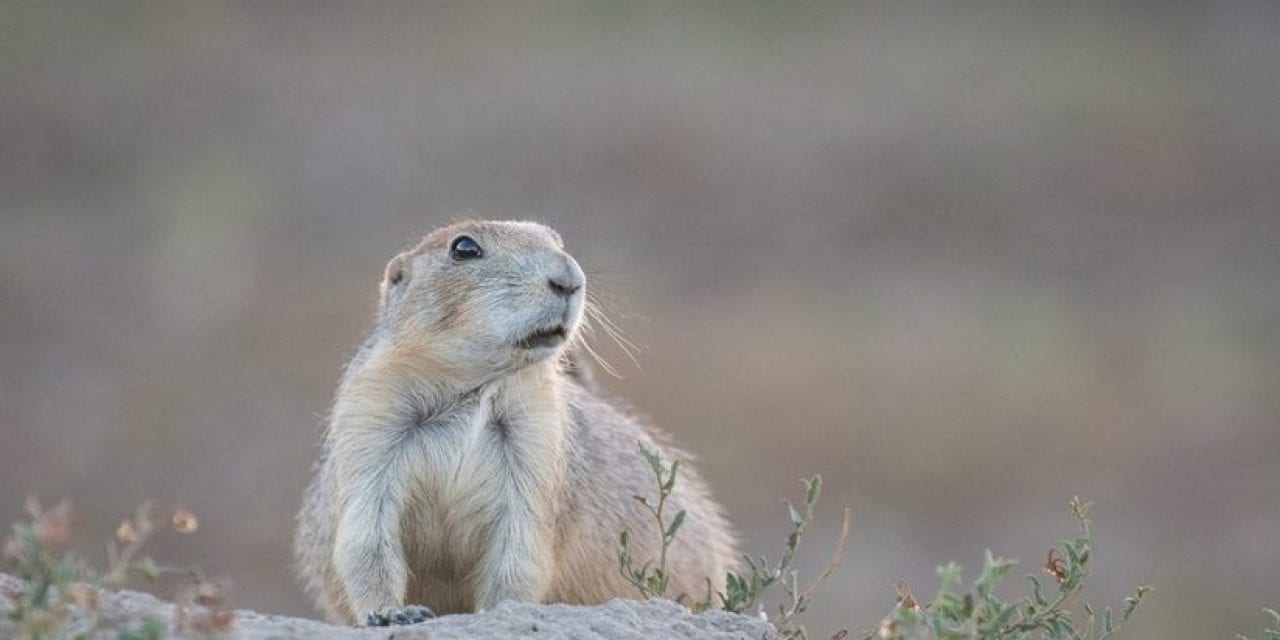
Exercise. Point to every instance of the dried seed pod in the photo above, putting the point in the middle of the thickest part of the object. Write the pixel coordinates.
(906, 599)
(184, 521)
(127, 532)
(1055, 566)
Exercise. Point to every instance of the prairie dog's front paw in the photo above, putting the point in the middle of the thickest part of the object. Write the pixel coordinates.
(398, 616)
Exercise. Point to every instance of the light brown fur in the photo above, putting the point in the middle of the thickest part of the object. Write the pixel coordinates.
(458, 470)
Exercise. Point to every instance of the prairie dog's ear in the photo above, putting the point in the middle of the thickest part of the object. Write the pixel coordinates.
(395, 276)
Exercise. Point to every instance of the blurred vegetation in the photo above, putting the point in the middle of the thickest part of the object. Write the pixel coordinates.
(1272, 634)
(952, 257)
(61, 593)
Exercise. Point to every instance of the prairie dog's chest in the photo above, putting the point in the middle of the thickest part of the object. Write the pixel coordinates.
(475, 475)
(505, 438)
(460, 467)
(456, 493)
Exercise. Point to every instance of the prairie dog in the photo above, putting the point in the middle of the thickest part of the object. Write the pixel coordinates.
(464, 464)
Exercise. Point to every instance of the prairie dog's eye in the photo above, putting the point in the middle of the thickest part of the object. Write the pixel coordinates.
(464, 248)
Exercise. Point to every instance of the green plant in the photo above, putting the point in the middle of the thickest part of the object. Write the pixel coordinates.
(152, 628)
(34, 551)
(743, 591)
(1272, 634)
(61, 594)
(978, 613)
(957, 612)
(651, 578)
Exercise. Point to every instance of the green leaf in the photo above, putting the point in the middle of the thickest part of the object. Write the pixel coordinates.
(1131, 602)
(1000, 617)
(671, 478)
(655, 462)
(993, 570)
(796, 518)
(675, 524)
(147, 567)
(1037, 593)
(812, 490)
(949, 576)
(1073, 555)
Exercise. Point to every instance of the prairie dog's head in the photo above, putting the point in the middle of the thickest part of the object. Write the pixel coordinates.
(480, 297)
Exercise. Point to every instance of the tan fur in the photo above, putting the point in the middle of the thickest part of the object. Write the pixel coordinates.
(458, 470)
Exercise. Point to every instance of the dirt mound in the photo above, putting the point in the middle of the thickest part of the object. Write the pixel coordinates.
(615, 620)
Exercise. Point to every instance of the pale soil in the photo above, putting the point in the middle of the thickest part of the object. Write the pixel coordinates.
(617, 619)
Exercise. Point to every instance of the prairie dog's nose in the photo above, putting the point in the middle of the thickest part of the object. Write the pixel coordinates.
(568, 281)
(564, 285)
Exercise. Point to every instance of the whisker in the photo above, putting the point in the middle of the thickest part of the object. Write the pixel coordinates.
(614, 331)
(612, 328)
(615, 305)
(586, 346)
(605, 299)
(627, 347)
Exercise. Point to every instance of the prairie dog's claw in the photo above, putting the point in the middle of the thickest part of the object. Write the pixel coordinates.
(398, 616)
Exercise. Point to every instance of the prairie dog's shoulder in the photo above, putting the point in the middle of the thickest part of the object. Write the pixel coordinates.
(605, 436)
(606, 468)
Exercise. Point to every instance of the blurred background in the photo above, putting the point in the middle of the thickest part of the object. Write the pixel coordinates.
(965, 260)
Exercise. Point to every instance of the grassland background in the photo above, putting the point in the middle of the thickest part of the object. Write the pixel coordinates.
(963, 259)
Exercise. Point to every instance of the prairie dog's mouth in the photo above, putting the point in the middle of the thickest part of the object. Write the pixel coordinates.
(544, 338)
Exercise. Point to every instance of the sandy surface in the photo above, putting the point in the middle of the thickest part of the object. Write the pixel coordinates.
(617, 619)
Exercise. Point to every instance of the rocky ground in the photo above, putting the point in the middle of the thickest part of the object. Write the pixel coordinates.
(617, 619)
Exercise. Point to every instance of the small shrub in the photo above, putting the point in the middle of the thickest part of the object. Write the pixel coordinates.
(61, 597)
(1272, 634)
(651, 578)
(978, 613)
(743, 591)
(152, 628)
